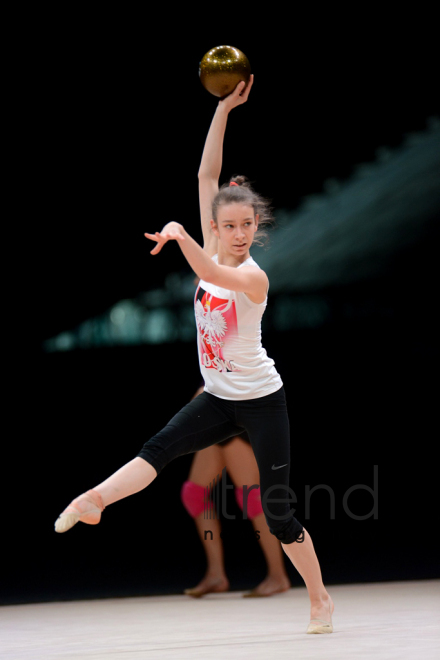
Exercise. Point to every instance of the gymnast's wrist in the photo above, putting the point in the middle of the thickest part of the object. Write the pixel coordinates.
(173, 225)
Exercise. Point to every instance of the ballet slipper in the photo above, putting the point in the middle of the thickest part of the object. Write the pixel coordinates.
(86, 508)
(319, 626)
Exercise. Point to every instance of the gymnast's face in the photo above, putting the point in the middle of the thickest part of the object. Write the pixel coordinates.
(235, 227)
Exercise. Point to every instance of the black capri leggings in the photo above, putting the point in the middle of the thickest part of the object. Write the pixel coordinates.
(207, 420)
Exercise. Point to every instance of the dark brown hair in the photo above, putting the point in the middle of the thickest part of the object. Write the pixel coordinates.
(243, 193)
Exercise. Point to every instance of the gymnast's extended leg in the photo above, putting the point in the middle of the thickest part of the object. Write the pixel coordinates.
(198, 425)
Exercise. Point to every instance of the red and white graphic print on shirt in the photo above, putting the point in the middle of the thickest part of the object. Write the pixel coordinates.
(216, 320)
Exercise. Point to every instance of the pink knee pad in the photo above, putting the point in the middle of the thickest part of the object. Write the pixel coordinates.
(254, 507)
(194, 500)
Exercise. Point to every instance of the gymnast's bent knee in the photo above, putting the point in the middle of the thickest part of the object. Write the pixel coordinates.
(287, 531)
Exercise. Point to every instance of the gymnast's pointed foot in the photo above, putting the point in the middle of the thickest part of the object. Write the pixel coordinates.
(318, 626)
(86, 508)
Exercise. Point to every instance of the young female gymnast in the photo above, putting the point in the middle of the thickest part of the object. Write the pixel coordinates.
(243, 390)
(236, 455)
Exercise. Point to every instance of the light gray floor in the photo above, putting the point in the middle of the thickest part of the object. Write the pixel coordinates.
(389, 620)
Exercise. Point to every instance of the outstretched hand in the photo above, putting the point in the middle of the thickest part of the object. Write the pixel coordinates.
(171, 232)
(239, 95)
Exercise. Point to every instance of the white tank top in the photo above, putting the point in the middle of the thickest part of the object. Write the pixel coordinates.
(233, 362)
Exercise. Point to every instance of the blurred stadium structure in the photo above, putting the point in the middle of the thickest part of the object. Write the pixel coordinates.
(350, 233)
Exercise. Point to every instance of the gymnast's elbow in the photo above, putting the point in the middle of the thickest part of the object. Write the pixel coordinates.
(209, 273)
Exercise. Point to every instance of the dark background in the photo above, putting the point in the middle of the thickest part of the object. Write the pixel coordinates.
(115, 127)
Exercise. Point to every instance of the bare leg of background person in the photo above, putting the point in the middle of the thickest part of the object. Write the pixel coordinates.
(206, 465)
(277, 579)
(242, 467)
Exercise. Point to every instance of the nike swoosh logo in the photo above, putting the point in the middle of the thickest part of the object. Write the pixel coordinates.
(278, 466)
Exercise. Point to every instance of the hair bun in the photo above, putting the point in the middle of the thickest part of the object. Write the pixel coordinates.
(238, 180)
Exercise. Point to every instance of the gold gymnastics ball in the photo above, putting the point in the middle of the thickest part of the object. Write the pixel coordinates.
(222, 68)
